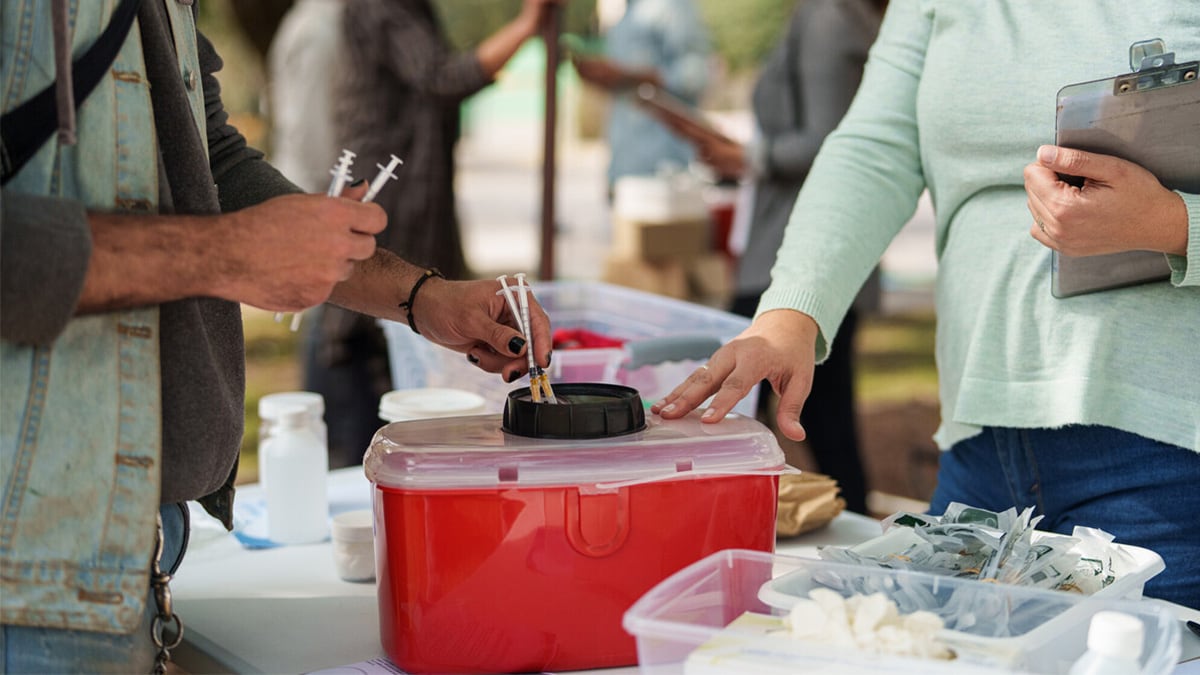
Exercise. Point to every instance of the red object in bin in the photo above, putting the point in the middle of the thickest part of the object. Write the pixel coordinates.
(514, 578)
(582, 338)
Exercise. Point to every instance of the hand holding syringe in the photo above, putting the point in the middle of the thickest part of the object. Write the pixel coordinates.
(341, 176)
(539, 381)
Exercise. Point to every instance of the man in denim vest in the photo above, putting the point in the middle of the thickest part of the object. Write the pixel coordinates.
(129, 239)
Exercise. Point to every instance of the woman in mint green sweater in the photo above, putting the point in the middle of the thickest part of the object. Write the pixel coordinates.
(1087, 407)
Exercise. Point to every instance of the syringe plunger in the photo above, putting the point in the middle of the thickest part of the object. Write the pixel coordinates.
(385, 174)
(341, 173)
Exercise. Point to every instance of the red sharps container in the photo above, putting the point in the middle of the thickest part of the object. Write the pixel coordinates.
(515, 542)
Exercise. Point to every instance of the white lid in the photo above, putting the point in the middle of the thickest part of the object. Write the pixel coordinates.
(474, 452)
(353, 526)
(1115, 634)
(293, 416)
(416, 404)
(270, 407)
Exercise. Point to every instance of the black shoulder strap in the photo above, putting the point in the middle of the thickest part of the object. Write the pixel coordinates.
(25, 128)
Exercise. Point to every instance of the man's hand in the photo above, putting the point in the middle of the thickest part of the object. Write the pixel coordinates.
(1120, 207)
(608, 74)
(726, 157)
(779, 347)
(533, 13)
(599, 72)
(287, 253)
(469, 317)
(466, 316)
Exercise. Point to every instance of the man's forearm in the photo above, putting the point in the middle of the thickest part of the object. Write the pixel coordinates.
(378, 286)
(285, 254)
(142, 260)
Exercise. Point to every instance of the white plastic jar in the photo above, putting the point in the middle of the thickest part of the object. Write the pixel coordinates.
(415, 404)
(353, 535)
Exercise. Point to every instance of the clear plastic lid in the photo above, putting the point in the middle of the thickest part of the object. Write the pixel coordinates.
(475, 452)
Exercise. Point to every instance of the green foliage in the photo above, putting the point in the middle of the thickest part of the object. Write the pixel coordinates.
(895, 358)
(469, 22)
(745, 31)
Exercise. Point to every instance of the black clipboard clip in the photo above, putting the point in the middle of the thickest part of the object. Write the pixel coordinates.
(1153, 68)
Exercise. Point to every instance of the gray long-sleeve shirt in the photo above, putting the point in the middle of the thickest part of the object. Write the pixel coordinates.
(805, 87)
(403, 97)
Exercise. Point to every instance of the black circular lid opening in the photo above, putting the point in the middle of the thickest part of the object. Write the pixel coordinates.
(584, 410)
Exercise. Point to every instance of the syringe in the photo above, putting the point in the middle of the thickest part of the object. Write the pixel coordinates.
(538, 379)
(341, 176)
(341, 173)
(385, 174)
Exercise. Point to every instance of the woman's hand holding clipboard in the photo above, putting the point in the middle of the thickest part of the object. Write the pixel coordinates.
(1115, 206)
(1148, 124)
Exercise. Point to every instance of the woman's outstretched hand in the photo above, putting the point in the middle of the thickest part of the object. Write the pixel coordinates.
(778, 347)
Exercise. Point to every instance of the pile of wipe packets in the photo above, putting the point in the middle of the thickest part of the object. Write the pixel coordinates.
(974, 543)
(979, 544)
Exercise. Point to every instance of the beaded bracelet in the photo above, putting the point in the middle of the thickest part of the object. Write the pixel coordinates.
(412, 295)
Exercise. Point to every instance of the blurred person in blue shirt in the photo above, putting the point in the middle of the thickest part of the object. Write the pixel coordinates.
(660, 42)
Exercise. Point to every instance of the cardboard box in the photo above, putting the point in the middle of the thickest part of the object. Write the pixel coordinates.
(665, 277)
(661, 240)
(710, 280)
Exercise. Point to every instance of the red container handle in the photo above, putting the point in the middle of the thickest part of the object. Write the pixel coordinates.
(597, 524)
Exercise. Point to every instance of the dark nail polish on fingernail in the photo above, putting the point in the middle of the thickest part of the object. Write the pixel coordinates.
(472, 359)
(512, 377)
(549, 355)
(360, 181)
(515, 344)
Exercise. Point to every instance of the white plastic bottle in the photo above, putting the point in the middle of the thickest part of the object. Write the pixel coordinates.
(1114, 644)
(269, 408)
(295, 465)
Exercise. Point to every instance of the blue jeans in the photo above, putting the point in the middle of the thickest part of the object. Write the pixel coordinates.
(1143, 492)
(27, 649)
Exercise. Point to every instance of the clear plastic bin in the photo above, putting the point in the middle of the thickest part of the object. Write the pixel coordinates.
(683, 625)
(664, 342)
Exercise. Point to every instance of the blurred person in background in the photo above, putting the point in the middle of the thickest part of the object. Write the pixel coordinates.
(660, 42)
(401, 97)
(303, 63)
(805, 87)
(1085, 408)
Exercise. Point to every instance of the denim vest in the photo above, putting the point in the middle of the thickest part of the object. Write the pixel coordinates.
(80, 419)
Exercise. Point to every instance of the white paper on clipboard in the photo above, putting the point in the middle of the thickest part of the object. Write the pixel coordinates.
(1151, 117)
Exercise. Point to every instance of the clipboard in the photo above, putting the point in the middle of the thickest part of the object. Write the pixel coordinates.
(1150, 116)
(676, 112)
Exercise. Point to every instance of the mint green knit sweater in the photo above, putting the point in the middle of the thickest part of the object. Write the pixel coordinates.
(956, 98)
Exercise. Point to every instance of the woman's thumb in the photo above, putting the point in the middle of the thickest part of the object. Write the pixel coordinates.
(1070, 162)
